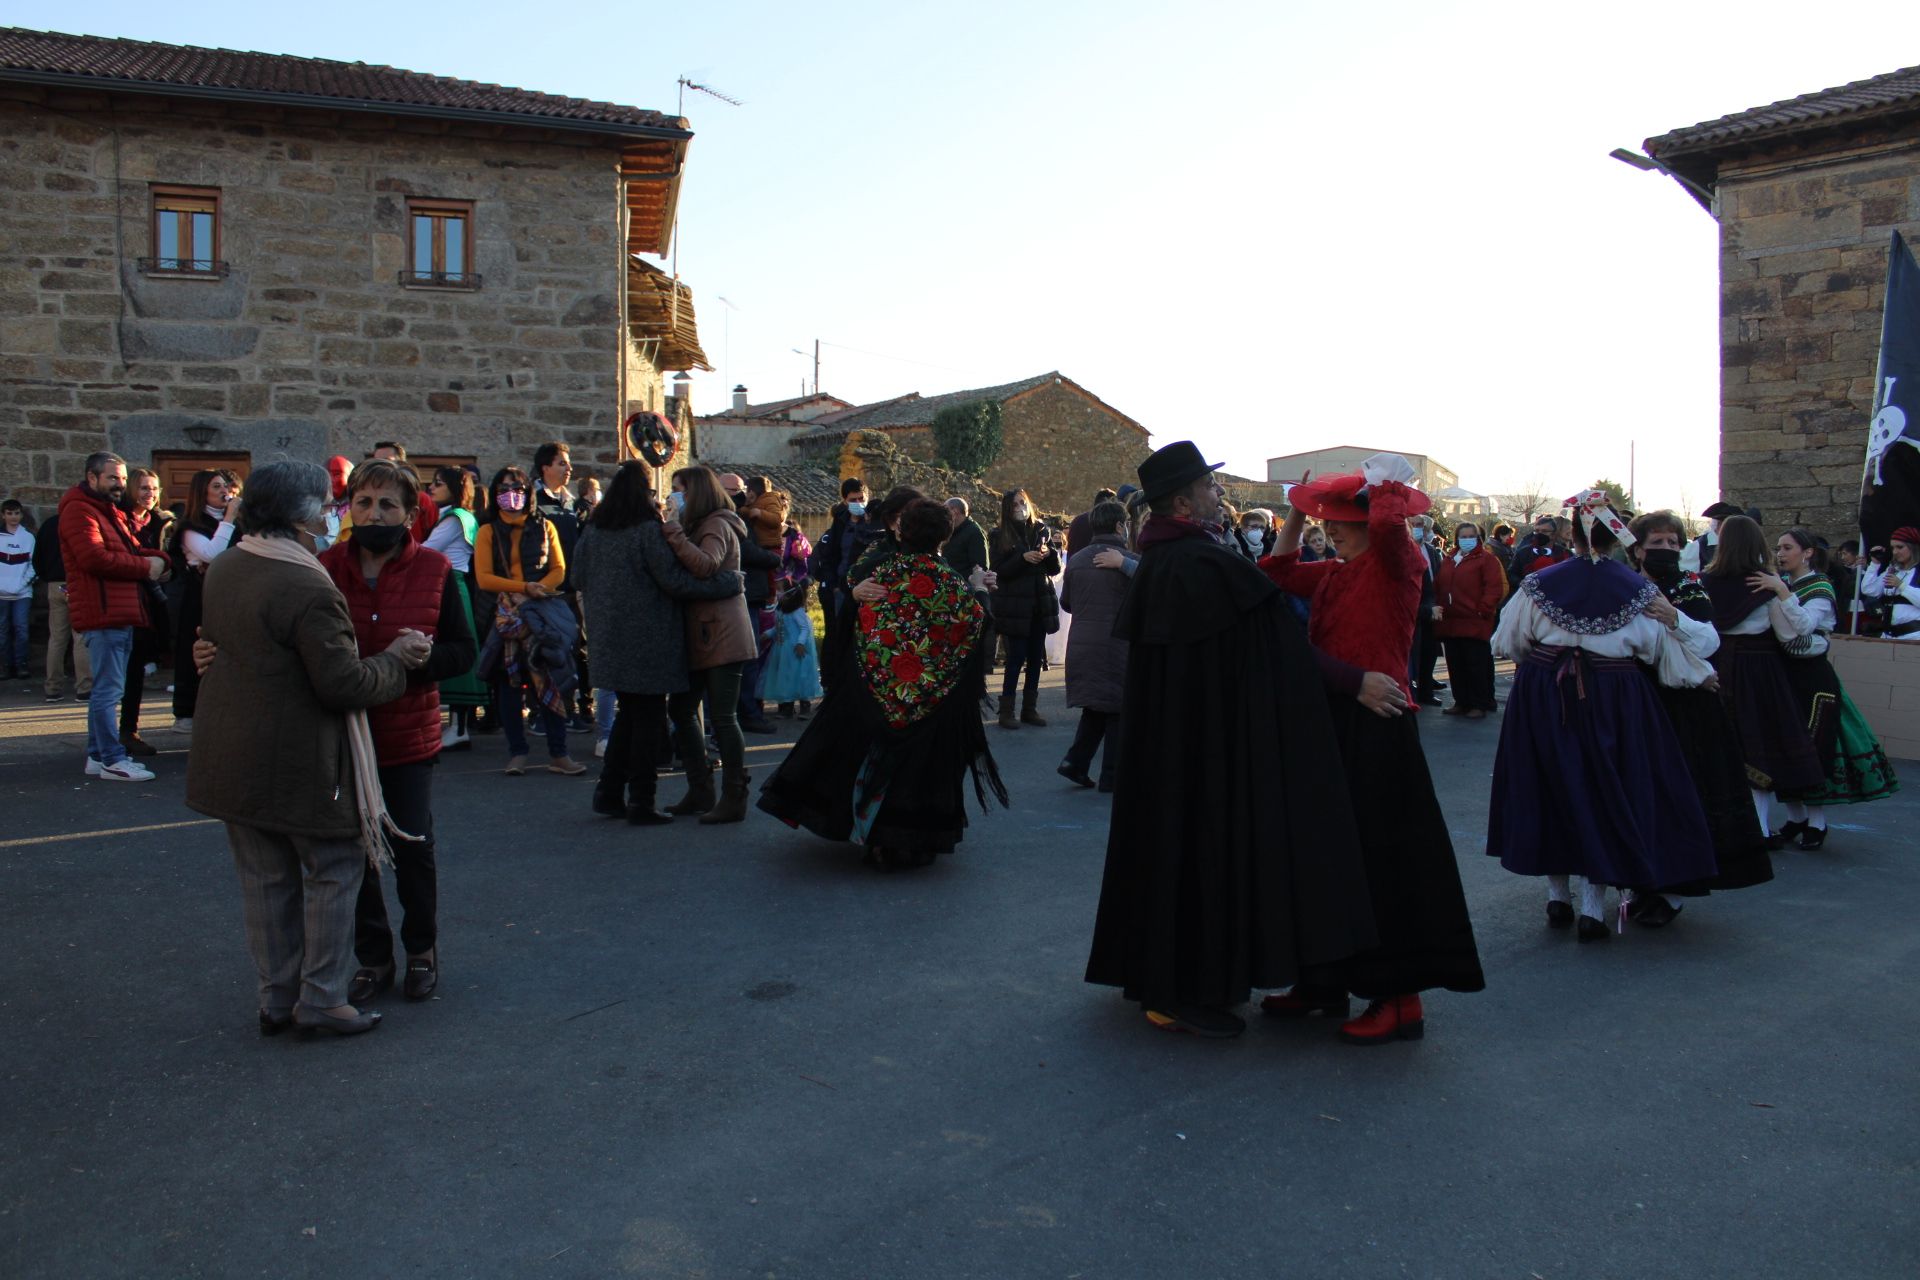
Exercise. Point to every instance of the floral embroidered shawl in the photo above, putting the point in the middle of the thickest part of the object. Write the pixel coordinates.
(914, 645)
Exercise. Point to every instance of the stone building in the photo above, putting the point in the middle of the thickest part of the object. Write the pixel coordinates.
(1807, 193)
(1062, 441)
(225, 258)
(1347, 458)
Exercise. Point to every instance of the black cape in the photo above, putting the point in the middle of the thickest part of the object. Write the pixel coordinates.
(1233, 861)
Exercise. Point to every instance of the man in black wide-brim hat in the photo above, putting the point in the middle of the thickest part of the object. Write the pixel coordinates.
(1233, 861)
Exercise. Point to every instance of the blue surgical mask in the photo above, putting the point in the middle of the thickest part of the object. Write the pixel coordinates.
(1468, 544)
(1420, 534)
(677, 500)
(856, 508)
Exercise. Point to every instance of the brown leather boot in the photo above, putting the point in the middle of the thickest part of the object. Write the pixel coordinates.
(733, 799)
(699, 797)
(1008, 720)
(1030, 710)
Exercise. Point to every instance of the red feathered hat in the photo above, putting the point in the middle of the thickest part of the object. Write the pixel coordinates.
(1340, 498)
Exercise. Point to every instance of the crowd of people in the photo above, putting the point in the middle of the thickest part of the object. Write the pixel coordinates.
(1673, 717)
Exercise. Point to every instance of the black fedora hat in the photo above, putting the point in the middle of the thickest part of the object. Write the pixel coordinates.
(1173, 468)
(1721, 510)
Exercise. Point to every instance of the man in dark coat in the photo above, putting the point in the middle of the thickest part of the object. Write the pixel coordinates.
(1542, 552)
(1233, 860)
(1080, 528)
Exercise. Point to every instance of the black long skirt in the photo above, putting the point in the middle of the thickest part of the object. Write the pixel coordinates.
(1470, 672)
(1419, 908)
(1712, 753)
(1816, 690)
(921, 771)
(1772, 732)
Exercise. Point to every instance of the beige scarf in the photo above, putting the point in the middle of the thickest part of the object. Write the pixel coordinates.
(375, 824)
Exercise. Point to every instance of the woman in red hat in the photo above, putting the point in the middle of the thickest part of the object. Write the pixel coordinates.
(1363, 608)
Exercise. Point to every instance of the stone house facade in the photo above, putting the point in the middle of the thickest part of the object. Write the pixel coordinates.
(1344, 458)
(229, 258)
(1807, 193)
(1062, 441)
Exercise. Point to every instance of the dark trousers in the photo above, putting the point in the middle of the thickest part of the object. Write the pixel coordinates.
(408, 789)
(1420, 659)
(1096, 727)
(1028, 651)
(634, 748)
(186, 676)
(1470, 672)
(132, 692)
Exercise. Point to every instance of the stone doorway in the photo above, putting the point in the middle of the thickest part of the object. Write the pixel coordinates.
(176, 471)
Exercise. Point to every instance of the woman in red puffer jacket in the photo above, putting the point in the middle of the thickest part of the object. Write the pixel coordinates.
(1468, 591)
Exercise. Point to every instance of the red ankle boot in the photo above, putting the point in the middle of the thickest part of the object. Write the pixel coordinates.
(1392, 1018)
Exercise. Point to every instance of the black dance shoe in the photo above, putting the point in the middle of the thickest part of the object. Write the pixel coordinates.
(272, 1026)
(1078, 777)
(1592, 930)
(369, 982)
(1559, 915)
(1653, 911)
(1813, 838)
(423, 975)
(1197, 1020)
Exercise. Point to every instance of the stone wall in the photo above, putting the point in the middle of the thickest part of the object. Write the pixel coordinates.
(1803, 262)
(310, 345)
(876, 457)
(1062, 446)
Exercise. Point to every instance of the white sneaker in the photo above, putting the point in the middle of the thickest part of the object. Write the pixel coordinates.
(600, 749)
(451, 737)
(93, 767)
(126, 771)
(183, 726)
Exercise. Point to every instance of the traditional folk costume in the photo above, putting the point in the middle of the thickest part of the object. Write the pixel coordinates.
(1589, 779)
(1856, 767)
(884, 761)
(1363, 612)
(1775, 743)
(1232, 856)
(1711, 751)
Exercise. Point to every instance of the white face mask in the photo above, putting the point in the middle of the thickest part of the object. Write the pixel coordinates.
(1021, 515)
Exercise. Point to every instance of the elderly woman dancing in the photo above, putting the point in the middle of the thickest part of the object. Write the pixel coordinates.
(285, 758)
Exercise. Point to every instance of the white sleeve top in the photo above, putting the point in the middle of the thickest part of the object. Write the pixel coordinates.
(202, 550)
(449, 538)
(1523, 627)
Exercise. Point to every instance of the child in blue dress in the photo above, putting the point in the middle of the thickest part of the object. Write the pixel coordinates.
(793, 668)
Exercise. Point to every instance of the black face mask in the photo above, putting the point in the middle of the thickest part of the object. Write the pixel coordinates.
(1542, 539)
(379, 538)
(1662, 564)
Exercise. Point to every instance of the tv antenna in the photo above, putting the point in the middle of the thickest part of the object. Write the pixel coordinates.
(710, 91)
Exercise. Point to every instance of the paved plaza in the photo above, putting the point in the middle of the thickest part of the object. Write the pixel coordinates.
(736, 1052)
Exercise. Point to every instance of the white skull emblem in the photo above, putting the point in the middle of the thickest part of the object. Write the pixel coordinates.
(1888, 425)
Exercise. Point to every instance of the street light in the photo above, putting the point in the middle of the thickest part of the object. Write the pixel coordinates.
(1649, 165)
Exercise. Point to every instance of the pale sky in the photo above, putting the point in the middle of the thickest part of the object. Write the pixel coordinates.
(1266, 227)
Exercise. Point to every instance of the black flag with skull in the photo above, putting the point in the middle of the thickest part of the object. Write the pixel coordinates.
(1890, 490)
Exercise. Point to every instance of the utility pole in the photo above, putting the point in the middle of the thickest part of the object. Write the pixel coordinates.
(816, 366)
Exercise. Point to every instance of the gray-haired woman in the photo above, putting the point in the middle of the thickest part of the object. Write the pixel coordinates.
(284, 758)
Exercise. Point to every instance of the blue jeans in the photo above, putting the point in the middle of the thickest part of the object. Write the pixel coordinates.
(511, 704)
(603, 709)
(108, 650)
(13, 634)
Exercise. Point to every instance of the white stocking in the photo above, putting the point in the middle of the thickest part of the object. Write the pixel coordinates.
(1796, 811)
(1762, 806)
(1593, 900)
(1557, 890)
(1817, 816)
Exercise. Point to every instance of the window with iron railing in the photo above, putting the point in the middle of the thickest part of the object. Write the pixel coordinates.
(440, 244)
(185, 231)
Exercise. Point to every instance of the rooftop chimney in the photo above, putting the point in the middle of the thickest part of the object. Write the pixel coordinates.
(740, 398)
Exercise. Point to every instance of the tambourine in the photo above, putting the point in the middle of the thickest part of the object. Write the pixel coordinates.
(653, 439)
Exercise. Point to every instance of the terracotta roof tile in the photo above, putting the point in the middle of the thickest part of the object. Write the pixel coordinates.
(41, 54)
(1894, 92)
(813, 491)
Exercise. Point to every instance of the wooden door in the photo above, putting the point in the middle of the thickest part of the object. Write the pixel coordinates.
(177, 470)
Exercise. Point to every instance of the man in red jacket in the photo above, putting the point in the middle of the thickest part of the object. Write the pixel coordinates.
(107, 576)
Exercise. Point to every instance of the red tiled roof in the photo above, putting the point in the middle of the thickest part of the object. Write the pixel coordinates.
(1896, 92)
(52, 57)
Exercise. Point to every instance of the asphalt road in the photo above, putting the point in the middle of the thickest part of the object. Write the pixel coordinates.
(734, 1051)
